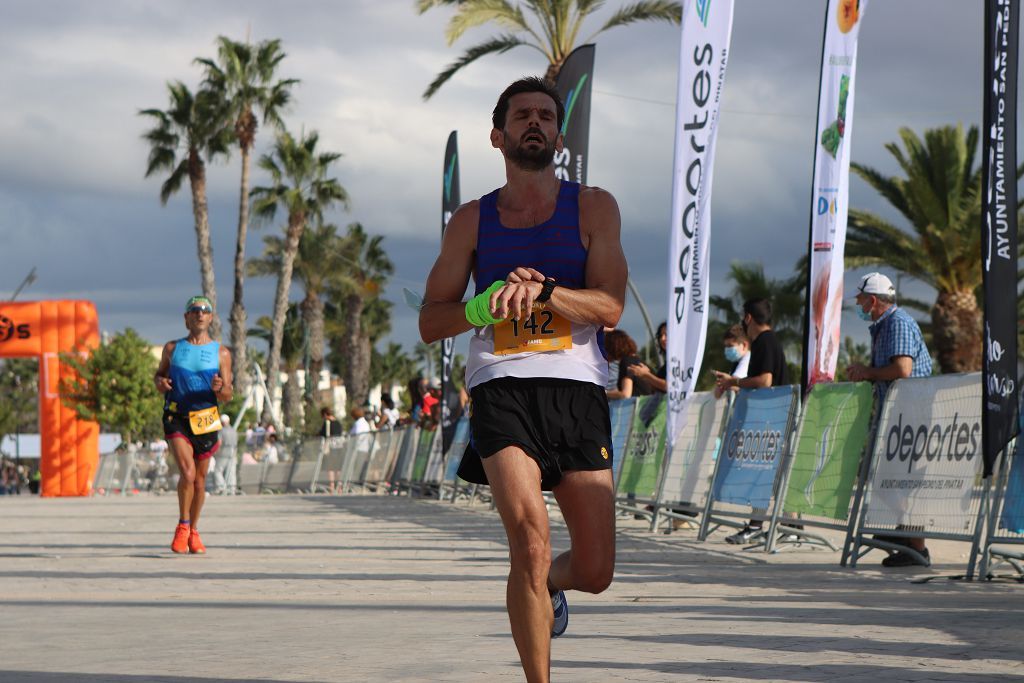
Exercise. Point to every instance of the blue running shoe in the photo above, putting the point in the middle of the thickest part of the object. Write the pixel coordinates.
(561, 608)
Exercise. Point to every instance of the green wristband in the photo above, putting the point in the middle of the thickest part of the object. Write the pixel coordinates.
(478, 309)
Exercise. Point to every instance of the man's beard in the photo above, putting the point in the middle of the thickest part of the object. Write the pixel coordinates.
(530, 159)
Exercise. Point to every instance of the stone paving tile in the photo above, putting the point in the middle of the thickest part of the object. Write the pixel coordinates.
(383, 588)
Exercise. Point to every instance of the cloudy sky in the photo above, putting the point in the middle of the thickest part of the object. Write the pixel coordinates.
(74, 202)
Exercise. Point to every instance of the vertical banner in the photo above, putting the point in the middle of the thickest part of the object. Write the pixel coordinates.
(574, 81)
(831, 186)
(449, 203)
(999, 227)
(703, 56)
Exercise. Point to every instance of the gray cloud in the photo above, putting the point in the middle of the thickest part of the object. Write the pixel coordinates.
(75, 204)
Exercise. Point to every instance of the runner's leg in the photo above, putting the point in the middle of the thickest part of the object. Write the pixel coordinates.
(182, 451)
(515, 484)
(587, 502)
(199, 489)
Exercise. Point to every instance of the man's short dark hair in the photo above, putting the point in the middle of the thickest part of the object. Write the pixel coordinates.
(523, 85)
(759, 309)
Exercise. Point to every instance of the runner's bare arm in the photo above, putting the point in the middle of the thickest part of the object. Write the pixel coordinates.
(443, 313)
(160, 378)
(223, 380)
(601, 302)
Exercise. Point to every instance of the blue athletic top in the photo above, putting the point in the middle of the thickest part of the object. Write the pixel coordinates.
(553, 247)
(191, 374)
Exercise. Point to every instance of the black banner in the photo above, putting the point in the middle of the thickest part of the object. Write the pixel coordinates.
(573, 85)
(449, 202)
(999, 227)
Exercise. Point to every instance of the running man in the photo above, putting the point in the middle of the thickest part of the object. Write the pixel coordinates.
(194, 375)
(550, 274)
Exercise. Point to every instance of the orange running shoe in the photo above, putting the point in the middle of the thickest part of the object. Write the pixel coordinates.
(195, 544)
(180, 542)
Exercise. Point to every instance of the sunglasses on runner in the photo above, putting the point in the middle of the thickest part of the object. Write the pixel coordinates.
(199, 309)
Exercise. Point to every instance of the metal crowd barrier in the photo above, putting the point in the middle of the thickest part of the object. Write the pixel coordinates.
(925, 475)
(686, 477)
(748, 471)
(1003, 541)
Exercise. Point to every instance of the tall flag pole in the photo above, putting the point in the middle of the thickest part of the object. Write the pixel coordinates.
(703, 56)
(830, 190)
(450, 200)
(999, 228)
(573, 85)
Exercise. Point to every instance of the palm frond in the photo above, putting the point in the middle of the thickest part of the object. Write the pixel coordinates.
(646, 10)
(478, 12)
(497, 45)
(174, 181)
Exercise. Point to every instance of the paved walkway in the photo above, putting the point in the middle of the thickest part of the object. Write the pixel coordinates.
(366, 588)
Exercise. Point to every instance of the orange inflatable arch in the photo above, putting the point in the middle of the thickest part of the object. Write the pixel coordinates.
(43, 329)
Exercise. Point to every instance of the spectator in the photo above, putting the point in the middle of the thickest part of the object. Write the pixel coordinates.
(737, 352)
(389, 415)
(359, 423)
(331, 426)
(655, 381)
(621, 348)
(270, 456)
(430, 414)
(766, 368)
(226, 459)
(418, 388)
(329, 429)
(897, 351)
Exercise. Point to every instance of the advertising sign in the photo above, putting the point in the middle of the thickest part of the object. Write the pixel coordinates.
(927, 453)
(641, 463)
(704, 54)
(753, 445)
(831, 187)
(834, 431)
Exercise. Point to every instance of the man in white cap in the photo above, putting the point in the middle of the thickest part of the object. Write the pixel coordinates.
(897, 351)
(897, 347)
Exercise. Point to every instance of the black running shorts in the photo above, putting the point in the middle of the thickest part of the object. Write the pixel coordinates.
(178, 427)
(562, 424)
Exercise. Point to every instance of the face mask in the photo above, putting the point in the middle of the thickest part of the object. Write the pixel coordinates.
(864, 315)
(732, 354)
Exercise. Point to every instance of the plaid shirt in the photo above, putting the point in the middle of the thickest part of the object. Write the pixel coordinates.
(897, 334)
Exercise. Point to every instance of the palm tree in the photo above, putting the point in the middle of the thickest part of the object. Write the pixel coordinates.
(787, 297)
(192, 131)
(750, 282)
(317, 264)
(302, 189)
(243, 76)
(366, 268)
(293, 347)
(392, 367)
(939, 195)
(553, 31)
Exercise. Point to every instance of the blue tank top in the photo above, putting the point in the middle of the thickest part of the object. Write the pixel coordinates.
(191, 373)
(553, 247)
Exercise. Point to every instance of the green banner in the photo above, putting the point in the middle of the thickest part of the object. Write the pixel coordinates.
(641, 463)
(419, 465)
(827, 455)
